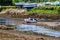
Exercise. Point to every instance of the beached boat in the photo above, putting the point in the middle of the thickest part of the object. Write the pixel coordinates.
(26, 5)
(30, 20)
(30, 5)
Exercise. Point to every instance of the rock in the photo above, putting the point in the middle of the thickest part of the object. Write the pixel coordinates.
(10, 27)
(6, 27)
(3, 27)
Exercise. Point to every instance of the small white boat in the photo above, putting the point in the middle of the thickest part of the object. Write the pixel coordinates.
(30, 20)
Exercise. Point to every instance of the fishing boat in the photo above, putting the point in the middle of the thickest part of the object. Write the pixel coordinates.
(26, 5)
(30, 5)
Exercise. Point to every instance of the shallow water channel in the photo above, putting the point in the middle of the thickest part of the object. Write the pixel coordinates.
(38, 29)
(33, 28)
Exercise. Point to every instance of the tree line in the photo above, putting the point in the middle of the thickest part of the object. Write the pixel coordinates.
(11, 2)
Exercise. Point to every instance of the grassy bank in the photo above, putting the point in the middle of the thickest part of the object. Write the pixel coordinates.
(46, 9)
(6, 7)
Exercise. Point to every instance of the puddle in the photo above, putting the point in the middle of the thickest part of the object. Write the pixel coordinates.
(6, 21)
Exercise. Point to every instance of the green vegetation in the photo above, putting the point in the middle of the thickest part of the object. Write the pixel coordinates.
(7, 7)
(8, 2)
(11, 2)
(59, 10)
(46, 9)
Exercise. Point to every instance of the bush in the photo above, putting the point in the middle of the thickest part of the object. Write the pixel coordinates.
(0, 9)
(58, 10)
(38, 8)
(49, 8)
(43, 8)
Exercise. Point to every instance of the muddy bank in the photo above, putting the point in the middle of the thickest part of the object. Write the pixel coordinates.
(36, 15)
(50, 25)
(15, 13)
(12, 35)
(7, 27)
